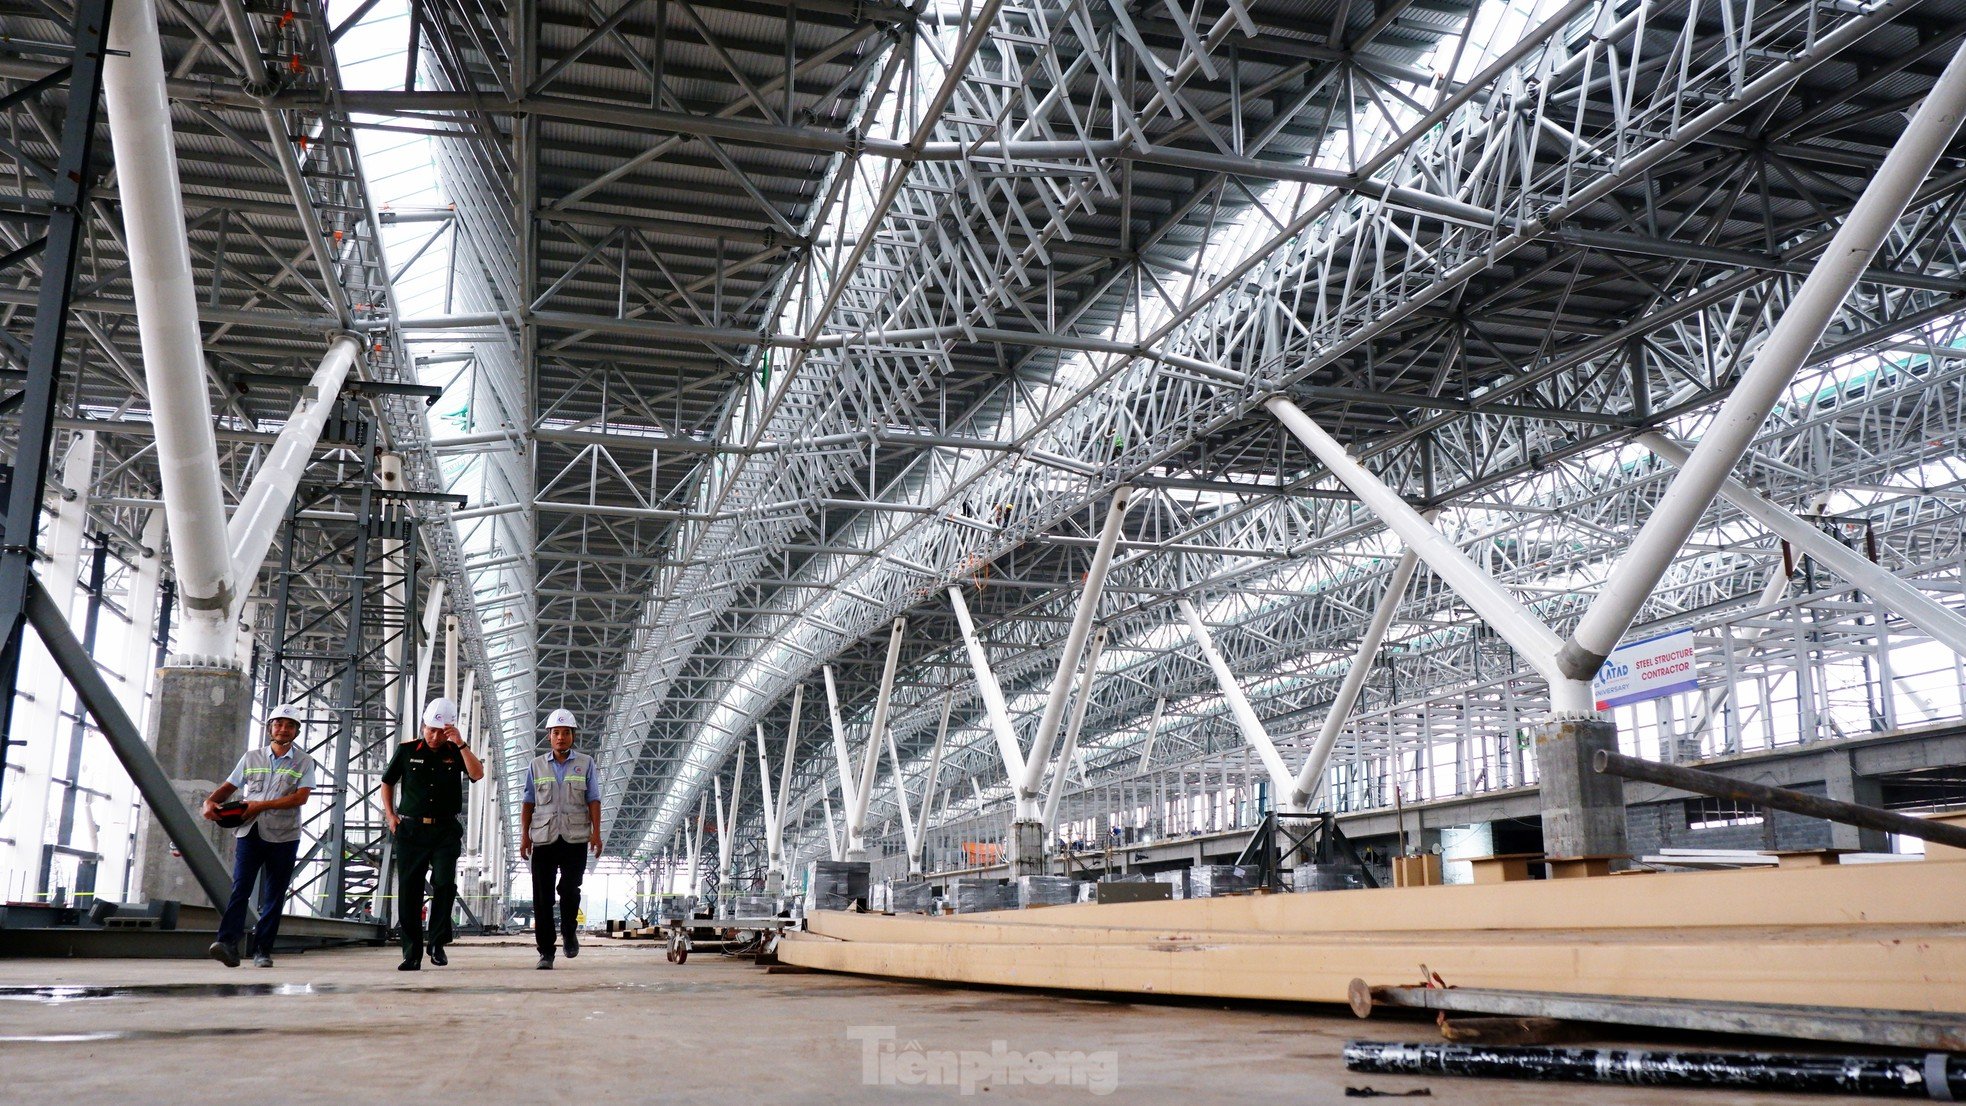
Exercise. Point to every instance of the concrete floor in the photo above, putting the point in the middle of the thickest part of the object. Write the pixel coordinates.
(621, 1024)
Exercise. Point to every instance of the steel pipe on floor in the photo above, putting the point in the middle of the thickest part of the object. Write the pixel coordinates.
(1778, 798)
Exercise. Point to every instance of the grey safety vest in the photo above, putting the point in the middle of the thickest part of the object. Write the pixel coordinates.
(559, 807)
(266, 780)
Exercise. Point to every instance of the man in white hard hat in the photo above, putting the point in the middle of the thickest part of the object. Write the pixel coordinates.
(274, 782)
(559, 823)
(428, 826)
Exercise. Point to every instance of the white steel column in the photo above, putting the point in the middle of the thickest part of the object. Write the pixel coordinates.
(1072, 729)
(774, 844)
(908, 837)
(727, 826)
(1341, 707)
(934, 774)
(791, 752)
(1537, 643)
(1945, 625)
(1796, 331)
(871, 762)
(138, 666)
(41, 688)
(1025, 804)
(842, 762)
(418, 692)
(1068, 662)
(1245, 715)
(167, 312)
(1153, 729)
(450, 658)
(265, 502)
(833, 850)
(696, 844)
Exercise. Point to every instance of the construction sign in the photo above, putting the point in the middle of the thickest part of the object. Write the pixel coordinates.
(1649, 668)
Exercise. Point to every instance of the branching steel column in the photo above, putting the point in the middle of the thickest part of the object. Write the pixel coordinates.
(1068, 661)
(842, 761)
(909, 840)
(1072, 732)
(1244, 714)
(1537, 643)
(1788, 344)
(1153, 730)
(1945, 625)
(265, 503)
(774, 848)
(1026, 805)
(791, 753)
(167, 314)
(870, 764)
(1341, 706)
(934, 774)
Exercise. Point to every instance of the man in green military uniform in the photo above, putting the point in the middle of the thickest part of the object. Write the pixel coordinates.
(427, 825)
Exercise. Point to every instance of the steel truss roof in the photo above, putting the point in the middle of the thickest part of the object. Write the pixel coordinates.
(996, 262)
(785, 317)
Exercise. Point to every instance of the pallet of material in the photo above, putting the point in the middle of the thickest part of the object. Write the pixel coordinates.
(1887, 937)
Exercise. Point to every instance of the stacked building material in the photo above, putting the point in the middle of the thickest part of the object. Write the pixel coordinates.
(1045, 891)
(836, 884)
(1886, 940)
(1206, 881)
(910, 896)
(1327, 877)
(975, 894)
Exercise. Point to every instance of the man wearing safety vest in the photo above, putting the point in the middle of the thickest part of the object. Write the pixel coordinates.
(559, 821)
(275, 782)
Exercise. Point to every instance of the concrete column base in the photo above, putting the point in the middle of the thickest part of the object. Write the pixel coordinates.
(775, 884)
(1583, 810)
(199, 727)
(1027, 849)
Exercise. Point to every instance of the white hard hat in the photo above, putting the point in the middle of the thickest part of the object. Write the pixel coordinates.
(285, 710)
(440, 713)
(561, 717)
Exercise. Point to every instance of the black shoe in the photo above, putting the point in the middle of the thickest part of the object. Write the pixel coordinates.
(437, 956)
(572, 946)
(411, 964)
(545, 963)
(224, 953)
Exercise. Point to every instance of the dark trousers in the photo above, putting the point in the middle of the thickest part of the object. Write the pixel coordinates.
(430, 848)
(271, 863)
(567, 860)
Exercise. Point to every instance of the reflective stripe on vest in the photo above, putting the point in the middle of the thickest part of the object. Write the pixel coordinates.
(265, 781)
(559, 806)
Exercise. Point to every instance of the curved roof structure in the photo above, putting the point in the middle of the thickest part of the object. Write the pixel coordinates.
(766, 324)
